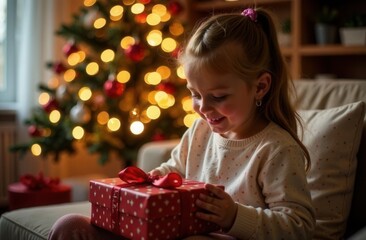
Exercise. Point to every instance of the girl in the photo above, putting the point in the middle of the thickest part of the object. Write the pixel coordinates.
(246, 139)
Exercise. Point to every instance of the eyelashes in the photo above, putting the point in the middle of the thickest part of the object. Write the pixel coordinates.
(218, 98)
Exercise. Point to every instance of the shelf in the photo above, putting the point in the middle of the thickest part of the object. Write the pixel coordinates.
(222, 4)
(286, 51)
(332, 50)
(305, 58)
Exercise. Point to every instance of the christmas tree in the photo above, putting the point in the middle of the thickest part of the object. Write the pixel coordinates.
(118, 86)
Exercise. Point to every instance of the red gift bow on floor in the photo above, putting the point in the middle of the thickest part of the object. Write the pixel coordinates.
(134, 174)
(39, 182)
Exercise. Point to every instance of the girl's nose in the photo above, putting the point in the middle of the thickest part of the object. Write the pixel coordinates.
(204, 106)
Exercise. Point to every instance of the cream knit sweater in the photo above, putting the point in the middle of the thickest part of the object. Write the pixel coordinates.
(264, 174)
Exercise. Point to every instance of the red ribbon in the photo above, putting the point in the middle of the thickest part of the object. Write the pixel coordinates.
(135, 175)
(39, 182)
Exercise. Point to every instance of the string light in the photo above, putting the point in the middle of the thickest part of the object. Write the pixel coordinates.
(154, 38)
(137, 127)
(153, 19)
(166, 17)
(69, 75)
(127, 42)
(164, 72)
(103, 118)
(153, 112)
(168, 45)
(107, 55)
(99, 23)
(114, 124)
(152, 78)
(36, 149)
(128, 2)
(73, 59)
(92, 68)
(78, 132)
(82, 56)
(159, 9)
(190, 118)
(43, 98)
(187, 104)
(137, 8)
(180, 72)
(54, 82)
(55, 116)
(176, 29)
(85, 93)
(89, 3)
(123, 76)
(151, 97)
(116, 12)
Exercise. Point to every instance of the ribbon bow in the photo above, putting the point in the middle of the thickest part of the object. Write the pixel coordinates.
(136, 175)
(38, 182)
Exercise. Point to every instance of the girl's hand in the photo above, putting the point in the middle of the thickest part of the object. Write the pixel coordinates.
(218, 207)
(155, 172)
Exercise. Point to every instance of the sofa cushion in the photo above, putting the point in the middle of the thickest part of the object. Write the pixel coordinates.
(35, 223)
(332, 137)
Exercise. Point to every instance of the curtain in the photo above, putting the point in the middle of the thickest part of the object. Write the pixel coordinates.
(37, 21)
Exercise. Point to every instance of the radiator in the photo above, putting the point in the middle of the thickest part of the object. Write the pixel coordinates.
(7, 159)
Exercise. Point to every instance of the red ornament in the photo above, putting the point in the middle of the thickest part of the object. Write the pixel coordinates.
(141, 18)
(167, 87)
(59, 68)
(175, 7)
(70, 48)
(34, 131)
(145, 1)
(113, 88)
(135, 52)
(52, 104)
(158, 137)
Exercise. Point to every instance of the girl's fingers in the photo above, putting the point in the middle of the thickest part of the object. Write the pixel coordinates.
(217, 191)
(210, 207)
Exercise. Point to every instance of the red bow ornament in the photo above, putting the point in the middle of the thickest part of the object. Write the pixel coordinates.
(39, 182)
(135, 175)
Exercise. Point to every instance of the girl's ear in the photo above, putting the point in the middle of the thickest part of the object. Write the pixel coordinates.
(263, 85)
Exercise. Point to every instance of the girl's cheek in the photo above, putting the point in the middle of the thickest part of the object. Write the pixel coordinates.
(196, 106)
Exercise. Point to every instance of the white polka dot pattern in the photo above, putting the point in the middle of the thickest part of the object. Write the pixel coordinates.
(148, 212)
(332, 137)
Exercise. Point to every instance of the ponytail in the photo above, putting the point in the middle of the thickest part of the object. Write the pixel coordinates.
(279, 108)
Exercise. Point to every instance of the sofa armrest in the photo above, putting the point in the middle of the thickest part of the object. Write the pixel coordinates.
(35, 223)
(152, 154)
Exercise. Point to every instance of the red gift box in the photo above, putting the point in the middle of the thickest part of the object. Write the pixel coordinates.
(144, 211)
(21, 197)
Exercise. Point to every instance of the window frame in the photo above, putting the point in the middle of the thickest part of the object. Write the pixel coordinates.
(8, 95)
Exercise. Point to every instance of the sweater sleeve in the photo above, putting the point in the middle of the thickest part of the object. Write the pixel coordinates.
(289, 213)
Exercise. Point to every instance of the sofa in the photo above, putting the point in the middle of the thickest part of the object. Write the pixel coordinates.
(333, 114)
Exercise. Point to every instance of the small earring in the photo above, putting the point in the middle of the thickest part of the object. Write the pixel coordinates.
(258, 103)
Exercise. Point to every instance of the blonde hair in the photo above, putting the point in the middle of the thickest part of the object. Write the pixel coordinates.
(235, 43)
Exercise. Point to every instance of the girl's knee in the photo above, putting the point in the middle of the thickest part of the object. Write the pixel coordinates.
(78, 227)
(70, 226)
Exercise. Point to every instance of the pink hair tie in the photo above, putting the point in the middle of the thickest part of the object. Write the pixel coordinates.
(250, 13)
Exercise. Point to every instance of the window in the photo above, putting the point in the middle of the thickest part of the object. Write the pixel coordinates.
(7, 50)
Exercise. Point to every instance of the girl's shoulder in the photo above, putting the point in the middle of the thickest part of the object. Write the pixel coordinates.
(277, 136)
